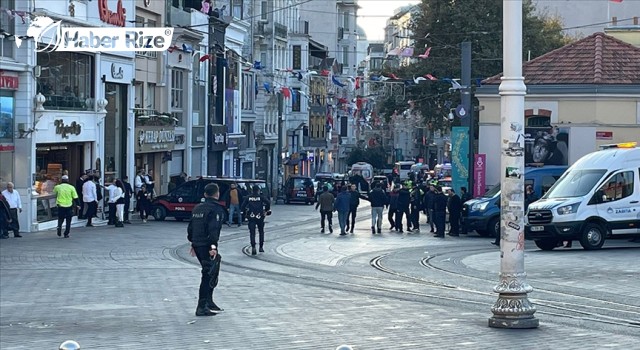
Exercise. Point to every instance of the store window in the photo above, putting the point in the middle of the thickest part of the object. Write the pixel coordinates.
(7, 25)
(177, 95)
(66, 79)
(295, 102)
(7, 112)
(248, 91)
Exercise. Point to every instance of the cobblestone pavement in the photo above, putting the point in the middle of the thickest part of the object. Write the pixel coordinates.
(136, 288)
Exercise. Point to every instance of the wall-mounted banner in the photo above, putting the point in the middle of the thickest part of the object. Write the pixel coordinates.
(459, 157)
(479, 174)
(155, 139)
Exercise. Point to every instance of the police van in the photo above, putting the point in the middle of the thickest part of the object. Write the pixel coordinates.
(597, 198)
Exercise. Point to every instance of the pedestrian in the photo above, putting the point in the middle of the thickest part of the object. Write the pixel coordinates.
(138, 180)
(353, 207)
(233, 199)
(143, 202)
(454, 205)
(439, 212)
(415, 204)
(181, 179)
(342, 206)
(128, 194)
(257, 208)
(429, 198)
(66, 199)
(5, 217)
(112, 201)
(90, 199)
(15, 205)
(404, 200)
(151, 184)
(464, 196)
(119, 200)
(378, 199)
(79, 183)
(393, 206)
(325, 203)
(204, 232)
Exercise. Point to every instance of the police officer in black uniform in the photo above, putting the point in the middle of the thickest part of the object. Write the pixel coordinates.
(257, 207)
(440, 212)
(203, 233)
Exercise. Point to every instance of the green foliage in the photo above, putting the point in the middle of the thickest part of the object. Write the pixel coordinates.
(443, 25)
(375, 156)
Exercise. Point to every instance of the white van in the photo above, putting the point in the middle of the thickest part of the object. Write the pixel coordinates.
(597, 198)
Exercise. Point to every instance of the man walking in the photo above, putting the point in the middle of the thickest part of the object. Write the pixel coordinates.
(342, 206)
(439, 212)
(464, 196)
(13, 199)
(454, 206)
(429, 198)
(112, 201)
(325, 203)
(416, 206)
(128, 193)
(393, 206)
(257, 207)
(233, 199)
(404, 199)
(90, 199)
(66, 197)
(5, 218)
(378, 199)
(353, 207)
(204, 232)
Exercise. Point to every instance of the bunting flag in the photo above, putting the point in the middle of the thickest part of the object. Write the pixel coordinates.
(426, 53)
(257, 65)
(393, 76)
(431, 77)
(300, 92)
(407, 52)
(336, 81)
(454, 84)
(394, 52)
(187, 48)
(299, 76)
(294, 98)
(418, 79)
(267, 87)
(286, 93)
(204, 58)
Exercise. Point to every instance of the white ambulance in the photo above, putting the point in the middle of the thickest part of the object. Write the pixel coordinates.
(597, 198)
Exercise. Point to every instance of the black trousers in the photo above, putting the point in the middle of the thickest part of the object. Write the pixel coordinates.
(454, 220)
(127, 206)
(65, 213)
(209, 273)
(15, 223)
(415, 217)
(352, 215)
(432, 218)
(253, 224)
(440, 222)
(112, 213)
(390, 215)
(89, 211)
(400, 212)
(329, 216)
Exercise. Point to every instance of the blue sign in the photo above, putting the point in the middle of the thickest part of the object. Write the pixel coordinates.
(459, 157)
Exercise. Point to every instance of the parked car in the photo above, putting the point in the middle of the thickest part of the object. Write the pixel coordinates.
(179, 203)
(299, 189)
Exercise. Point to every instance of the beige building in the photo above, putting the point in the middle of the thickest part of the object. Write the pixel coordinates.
(579, 97)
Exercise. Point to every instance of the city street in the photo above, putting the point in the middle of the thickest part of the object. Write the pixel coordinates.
(136, 288)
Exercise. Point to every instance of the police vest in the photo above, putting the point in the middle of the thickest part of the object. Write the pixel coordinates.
(255, 207)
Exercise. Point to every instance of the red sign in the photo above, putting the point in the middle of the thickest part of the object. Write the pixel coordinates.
(604, 135)
(479, 174)
(6, 147)
(107, 16)
(8, 82)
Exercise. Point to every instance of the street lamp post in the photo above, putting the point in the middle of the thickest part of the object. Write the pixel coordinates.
(512, 309)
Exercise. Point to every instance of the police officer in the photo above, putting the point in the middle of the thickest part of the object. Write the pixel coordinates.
(257, 207)
(203, 233)
(440, 211)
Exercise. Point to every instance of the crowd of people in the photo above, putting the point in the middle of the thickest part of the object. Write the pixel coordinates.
(404, 202)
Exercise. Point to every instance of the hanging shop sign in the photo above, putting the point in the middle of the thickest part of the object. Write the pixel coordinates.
(9, 82)
(217, 138)
(155, 139)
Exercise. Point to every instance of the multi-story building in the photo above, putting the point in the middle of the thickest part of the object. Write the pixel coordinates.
(63, 112)
(347, 50)
(398, 37)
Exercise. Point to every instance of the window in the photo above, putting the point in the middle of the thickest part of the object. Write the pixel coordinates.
(618, 186)
(177, 95)
(297, 57)
(547, 182)
(237, 9)
(346, 21)
(149, 23)
(66, 79)
(150, 97)
(249, 137)
(345, 56)
(264, 10)
(344, 122)
(187, 189)
(199, 98)
(295, 101)
(248, 91)
(7, 24)
(538, 121)
(139, 93)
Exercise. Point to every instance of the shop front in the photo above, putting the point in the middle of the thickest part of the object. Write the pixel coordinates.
(155, 152)
(8, 86)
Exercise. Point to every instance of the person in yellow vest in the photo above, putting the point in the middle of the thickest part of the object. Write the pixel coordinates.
(66, 199)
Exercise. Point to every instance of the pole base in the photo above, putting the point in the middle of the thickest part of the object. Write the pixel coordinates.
(513, 323)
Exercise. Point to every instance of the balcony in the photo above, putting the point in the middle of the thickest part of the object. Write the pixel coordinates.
(280, 30)
(303, 27)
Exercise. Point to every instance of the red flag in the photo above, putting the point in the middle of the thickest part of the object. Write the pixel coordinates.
(430, 77)
(393, 76)
(285, 92)
(618, 1)
(204, 58)
(357, 83)
(325, 73)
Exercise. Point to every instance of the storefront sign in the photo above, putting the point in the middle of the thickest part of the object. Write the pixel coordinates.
(116, 71)
(604, 135)
(65, 130)
(479, 174)
(107, 16)
(9, 82)
(217, 138)
(155, 139)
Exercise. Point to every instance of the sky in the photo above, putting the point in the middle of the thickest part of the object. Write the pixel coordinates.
(373, 15)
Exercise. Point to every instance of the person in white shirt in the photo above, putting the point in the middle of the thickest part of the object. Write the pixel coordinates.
(15, 204)
(148, 180)
(90, 199)
(119, 200)
(112, 202)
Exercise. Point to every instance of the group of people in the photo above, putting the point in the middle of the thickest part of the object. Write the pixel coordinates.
(404, 202)
(10, 205)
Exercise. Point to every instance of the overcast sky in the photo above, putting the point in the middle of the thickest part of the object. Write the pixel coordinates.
(373, 15)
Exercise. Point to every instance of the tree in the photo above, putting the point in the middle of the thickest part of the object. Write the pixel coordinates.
(376, 156)
(443, 25)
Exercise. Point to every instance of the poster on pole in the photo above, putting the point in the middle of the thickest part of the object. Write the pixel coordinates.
(459, 157)
(479, 175)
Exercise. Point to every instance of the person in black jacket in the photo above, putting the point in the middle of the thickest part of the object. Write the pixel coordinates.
(428, 201)
(393, 206)
(353, 207)
(378, 199)
(439, 211)
(128, 193)
(203, 233)
(404, 198)
(5, 217)
(454, 205)
(416, 195)
(257, 208)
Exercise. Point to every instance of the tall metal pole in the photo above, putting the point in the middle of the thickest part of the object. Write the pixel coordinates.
(512, 309)
(465, 100)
